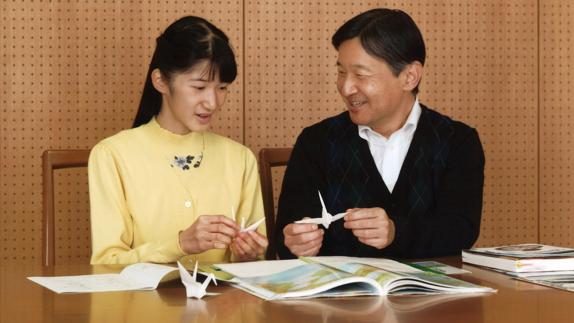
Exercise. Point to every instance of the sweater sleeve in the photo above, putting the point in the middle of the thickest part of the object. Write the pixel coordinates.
(111, 221)
(298, 197)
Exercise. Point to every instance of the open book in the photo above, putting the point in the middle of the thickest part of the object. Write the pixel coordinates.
(341, 276)
(141, 276)
(522, 258)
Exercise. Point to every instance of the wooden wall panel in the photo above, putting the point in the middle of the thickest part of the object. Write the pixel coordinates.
(556, 122)
(481, 69)
(72, 74)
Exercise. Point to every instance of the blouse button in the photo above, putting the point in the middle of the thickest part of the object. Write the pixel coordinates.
(187, 204)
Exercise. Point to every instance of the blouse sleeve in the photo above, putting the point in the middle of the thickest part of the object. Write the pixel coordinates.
(111, 221)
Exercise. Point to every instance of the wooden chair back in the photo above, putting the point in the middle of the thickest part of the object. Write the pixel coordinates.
(268, 158)
(52, 160)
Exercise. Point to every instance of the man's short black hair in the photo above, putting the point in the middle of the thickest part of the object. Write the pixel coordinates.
(388, 34)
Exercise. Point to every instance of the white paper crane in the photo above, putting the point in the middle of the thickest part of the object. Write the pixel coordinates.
(192, 287)
(252, 227)
(326, 217)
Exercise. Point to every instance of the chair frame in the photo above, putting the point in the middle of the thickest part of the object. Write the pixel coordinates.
(268, 158)
(51, 160)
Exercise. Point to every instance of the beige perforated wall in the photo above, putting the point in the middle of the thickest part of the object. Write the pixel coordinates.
(481, 68)
(72, 72)
(556, 122)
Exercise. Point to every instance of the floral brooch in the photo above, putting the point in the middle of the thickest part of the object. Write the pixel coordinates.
(184, 162)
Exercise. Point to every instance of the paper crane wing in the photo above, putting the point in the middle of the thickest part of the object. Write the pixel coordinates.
(207, 280)
(253, 226)
(184, 274)
(195, 272)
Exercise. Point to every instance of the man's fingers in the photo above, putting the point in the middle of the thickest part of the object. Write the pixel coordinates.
(310, 251)
(303, 238)
(302, 249)
(376, 242)
(369, 233)
(297, 228)
(367, 224)
(358, 214)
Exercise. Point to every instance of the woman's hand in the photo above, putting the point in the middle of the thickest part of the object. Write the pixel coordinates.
(248, 246)
(208, 232)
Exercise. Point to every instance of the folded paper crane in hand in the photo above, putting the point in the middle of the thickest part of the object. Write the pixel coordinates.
(326, 218)
(252, 227)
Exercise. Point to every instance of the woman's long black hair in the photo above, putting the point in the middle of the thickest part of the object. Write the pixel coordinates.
(183, 44)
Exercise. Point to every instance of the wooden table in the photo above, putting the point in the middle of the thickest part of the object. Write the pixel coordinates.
(23, 301)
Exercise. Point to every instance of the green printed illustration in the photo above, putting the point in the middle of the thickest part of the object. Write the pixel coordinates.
(304, 277)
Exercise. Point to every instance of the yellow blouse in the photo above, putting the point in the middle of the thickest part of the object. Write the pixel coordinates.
(142, 194)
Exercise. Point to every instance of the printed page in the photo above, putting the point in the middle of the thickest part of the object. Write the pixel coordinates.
(438, 267)
(396, 277)
(383, 277)
(309, 280)
(381, 263)
(259, 268)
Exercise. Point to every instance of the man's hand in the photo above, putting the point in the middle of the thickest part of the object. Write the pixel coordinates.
(303, 239)
(371, 226)
(208, 232)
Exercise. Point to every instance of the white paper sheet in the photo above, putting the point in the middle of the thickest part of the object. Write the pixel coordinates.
(142, 276)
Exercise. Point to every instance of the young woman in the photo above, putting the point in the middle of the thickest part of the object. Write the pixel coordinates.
(168, 188)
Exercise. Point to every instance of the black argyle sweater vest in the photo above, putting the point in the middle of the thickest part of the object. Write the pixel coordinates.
(351, 178)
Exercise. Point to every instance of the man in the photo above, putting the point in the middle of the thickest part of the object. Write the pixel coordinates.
(409, 178)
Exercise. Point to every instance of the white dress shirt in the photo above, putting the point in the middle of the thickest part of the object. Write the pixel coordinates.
(389, 154)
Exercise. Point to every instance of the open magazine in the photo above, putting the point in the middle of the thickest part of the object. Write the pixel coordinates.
(342, 276)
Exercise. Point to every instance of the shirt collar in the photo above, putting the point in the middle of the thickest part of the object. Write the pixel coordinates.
(410, 124)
